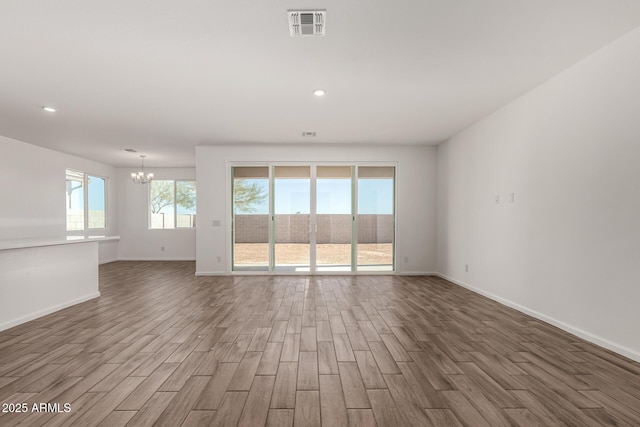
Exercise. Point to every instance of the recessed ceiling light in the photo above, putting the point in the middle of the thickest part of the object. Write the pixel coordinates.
(49, 109)
(319, 92)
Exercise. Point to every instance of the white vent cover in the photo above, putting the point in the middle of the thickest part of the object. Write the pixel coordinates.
(307, 22)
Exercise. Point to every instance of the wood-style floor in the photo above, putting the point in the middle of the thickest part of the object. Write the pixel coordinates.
(162, 347)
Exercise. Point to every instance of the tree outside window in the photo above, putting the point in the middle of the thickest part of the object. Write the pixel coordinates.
(251, 196)
(172, 204)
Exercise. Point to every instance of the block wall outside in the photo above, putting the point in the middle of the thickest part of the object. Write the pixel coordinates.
(331, 228)
(75, 219)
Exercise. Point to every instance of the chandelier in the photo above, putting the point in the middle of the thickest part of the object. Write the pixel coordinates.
(141, 177)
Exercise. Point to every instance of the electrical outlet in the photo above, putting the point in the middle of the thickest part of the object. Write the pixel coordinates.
(466, 268)
(162, 248)
(406, 259)
(219, 259)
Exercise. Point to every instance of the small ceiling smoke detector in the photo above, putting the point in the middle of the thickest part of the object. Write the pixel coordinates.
(49, 109)
(307, 22)
(309, 134)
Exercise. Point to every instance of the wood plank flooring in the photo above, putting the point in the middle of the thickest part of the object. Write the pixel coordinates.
(163, 347)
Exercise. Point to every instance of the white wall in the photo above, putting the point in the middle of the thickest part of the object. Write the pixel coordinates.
(32, 190)
(41, 280)
(32, 193)
(568, 249)
(416, 194)
(137, 241)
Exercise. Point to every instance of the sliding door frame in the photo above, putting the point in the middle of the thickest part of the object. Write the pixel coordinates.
(313, 165)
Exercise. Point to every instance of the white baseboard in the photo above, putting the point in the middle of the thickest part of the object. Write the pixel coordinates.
(321, 273)
(156, 259)
(211, 273)
(602, 342)
(417, 273)
(49, 310)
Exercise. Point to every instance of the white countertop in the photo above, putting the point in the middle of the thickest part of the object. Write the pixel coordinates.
(52, 241)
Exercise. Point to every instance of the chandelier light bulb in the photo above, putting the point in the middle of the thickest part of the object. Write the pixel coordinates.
(140, 177)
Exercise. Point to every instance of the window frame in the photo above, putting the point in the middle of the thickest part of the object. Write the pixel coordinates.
(234, 269)
(175, 205)
(85, 207)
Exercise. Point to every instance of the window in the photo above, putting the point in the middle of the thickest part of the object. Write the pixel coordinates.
(85, 201)
(313, 218)
(375, 218)
(251, 218)
(172, 204)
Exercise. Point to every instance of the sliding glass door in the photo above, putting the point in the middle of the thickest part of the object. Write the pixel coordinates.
(251, 219)
(292, 219)
(313, 218)
(334, 218)
(375, 218)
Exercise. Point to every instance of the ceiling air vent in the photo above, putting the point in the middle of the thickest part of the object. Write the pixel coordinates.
(307, 22)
